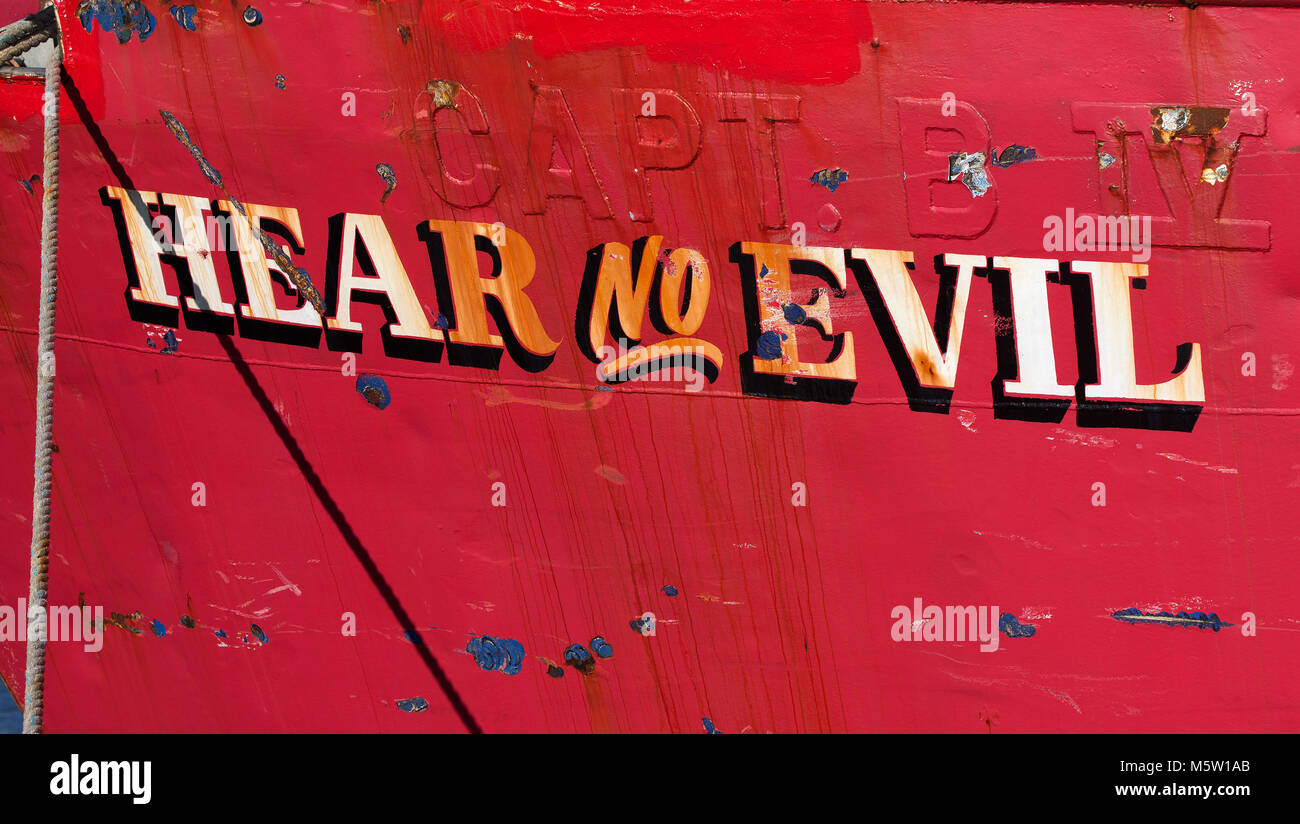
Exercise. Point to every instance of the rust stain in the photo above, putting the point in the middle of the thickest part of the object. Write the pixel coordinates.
(499, 396)
(1171, 122)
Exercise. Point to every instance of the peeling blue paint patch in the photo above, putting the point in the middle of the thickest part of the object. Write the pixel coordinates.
(1012, 155)
(670, 591)
(601, 647)
(279, 81)
(441, 321)
(830, 178)
(220, 633)
(157, 627)
(374, 390)
(389, 177)
(794, 313)
(709, 729)
(178, 131)
(416, 704)
(643, 624)
(252, 16)
(1011, 627)
(259, 634)
(769, 345)
(184, 15)
(554, 671)
(121, 18)
(577, 657)
(1200, 620)
(187, 622)
(492, 654)
(169, 338)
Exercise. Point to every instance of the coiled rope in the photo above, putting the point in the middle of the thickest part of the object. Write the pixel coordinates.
(34, 689)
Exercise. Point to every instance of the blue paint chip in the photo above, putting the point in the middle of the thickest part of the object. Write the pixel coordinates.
(670, 591)
(220, 633)
(121, 18)
(416, 704)
(279, 81)
(1012, 155)
(554, 671)
(259, 634)
(440, 322)
(158, 628)
(1011, 627)
(577, 657)
(794, 313)
(709, 729)
(187, 622)
(601, 647)
(412, 636)
(252, 16)
(492, 654)
(184, 15)
(374, 390)
(830, 178)
(769, 345)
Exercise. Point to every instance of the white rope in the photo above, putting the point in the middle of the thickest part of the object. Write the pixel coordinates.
(34, 691)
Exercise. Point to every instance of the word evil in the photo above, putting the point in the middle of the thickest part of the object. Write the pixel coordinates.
(618, 289)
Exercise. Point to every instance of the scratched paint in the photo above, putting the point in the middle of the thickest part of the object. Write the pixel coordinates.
(1199, 620)
(301, 280)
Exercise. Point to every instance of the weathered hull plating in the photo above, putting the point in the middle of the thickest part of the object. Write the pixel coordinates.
(504, 491)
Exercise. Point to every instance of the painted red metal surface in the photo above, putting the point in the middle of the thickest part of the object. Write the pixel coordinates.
(318, 504)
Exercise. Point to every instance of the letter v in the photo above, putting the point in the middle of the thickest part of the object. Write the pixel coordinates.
(934, 368)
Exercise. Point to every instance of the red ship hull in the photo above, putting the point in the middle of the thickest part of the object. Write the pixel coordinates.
(232, 475)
